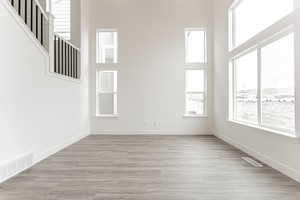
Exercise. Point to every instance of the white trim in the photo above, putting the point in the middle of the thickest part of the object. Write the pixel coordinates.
(149, 132)
(194, 116)
(114, 92)
(259, 85)
(43, 155)
(107, 116)
(42, 9)
(115, 47)
(107, 30)
(25, 28)
(12, 167)
(196, 66)
(235, 4)
(32, 37)
(278, 27)
(267, 41)
(271, 29)
(67, 41)
(203, 29)
(267, 129)
(63, 77)
(205, 93)
(281, 167)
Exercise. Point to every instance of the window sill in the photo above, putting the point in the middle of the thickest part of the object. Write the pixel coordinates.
(196, 65)
(107, 65)
(107, 116)
(195, 116)
(269, 130)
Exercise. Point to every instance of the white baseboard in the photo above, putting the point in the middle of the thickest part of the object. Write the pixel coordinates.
(284, 169)
(150, 132)
(41, 156)
(15, 166)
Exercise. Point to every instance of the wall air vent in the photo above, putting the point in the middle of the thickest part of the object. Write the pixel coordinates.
(252, 162)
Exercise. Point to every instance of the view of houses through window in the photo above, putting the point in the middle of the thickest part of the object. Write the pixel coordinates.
(263, 76)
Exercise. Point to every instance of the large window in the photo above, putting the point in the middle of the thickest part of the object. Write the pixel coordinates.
(249, 17)
(245, 69)
(61, 10)
(107, 46)
(277, 83)
(106, 99)
(195, 72)
(264, 85)
(262, 67)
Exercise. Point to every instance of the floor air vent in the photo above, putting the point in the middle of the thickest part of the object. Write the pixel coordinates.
(252, 162)
(13, 167)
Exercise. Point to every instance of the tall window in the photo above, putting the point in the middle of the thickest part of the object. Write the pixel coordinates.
(277, 83)
(107, 47)
(195, 45)
(195, 72)
(246, 88)
(249, 17)
(106, 93)
(262, 73)
(195, 93)
(61, 10)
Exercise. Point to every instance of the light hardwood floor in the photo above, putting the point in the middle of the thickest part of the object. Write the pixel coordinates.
(149, 168)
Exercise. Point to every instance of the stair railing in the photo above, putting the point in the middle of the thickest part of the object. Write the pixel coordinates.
(35, 18)
(64, 56)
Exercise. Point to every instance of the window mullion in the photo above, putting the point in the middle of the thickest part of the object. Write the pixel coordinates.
(234, 89)
(233, 37)
(259, 98)
(205, 93)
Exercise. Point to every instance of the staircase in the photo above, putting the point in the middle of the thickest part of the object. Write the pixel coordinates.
(64, 56)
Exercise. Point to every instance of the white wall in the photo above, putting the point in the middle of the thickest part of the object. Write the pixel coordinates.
(281, 152)
(151, 68)
(38, 113)
(76, 22)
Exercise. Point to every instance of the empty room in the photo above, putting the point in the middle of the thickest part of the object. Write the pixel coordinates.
(150, 100)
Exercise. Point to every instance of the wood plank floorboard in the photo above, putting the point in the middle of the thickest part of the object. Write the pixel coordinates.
(149, 168)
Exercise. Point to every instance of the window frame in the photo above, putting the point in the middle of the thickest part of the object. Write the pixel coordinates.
(99, 73)
(232, 84)
(197, 66)
(98, 49)
(204, 93)
(233, 114)
(205, 47)
(50, 6)
(232, 26)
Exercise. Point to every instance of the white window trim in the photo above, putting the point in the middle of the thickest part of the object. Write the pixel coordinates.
(266, 36)
(232, 86)
(205, 47)
(99, 92)
(186, 115)
(266, 33)
(262, 128)
(116, 47)
(197, 66)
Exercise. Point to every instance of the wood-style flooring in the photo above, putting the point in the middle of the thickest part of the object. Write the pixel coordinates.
(149, 168)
